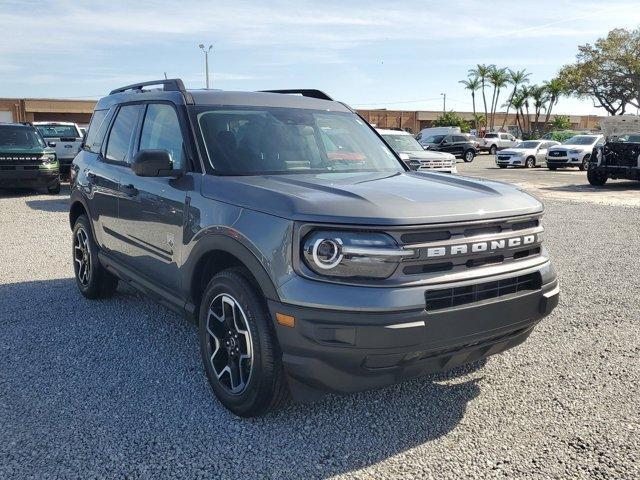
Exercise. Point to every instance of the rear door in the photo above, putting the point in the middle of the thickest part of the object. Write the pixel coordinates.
(459, 144)
(151, 209)
(541, 154)
(447, 144)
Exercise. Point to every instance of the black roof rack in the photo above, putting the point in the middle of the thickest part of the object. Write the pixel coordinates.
(305, 92)
(169, 85)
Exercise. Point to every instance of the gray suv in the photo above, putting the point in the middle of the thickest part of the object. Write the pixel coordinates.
(310, 257)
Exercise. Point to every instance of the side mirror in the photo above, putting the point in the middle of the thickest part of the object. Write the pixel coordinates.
(153, 163)
(51, 144)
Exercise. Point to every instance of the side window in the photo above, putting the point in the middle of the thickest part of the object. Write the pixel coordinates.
(121, 133)
(458, 138)
(447, 139)
(504, 136)
(161, 131)
(97, 128)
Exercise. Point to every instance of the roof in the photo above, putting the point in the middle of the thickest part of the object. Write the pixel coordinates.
(384, 131)
(620, 125)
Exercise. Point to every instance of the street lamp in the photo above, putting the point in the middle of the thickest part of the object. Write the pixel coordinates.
(444, 102)
(206, 61)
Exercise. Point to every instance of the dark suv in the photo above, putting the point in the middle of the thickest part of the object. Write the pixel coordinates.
(456, 144)
(26, 160)
(311, 258)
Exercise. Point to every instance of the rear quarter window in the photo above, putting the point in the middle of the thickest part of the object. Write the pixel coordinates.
(97, 129)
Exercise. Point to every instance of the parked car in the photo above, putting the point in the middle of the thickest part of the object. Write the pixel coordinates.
(492, 142)
(428, 132)
(529, 154)
(456, 144)
(25, 159)
(574, 152)
(617, 157)
(65, 137)
(415, 156)
(306, 271)
(475, 141)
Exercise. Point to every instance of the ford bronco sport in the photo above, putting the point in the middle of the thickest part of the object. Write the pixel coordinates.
(308, 268)
(25, 159)
(618, 156)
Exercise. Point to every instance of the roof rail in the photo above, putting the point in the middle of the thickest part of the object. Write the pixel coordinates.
(305, 92)
(169, 85)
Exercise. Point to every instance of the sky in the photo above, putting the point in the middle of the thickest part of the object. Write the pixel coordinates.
(371, 54)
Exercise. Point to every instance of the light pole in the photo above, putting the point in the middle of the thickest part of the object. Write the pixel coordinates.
(444, 102)
(206, 61)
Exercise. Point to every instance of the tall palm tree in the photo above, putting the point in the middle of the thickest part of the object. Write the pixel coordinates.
(482, 73)
(554, 88)
(473, 85)
(539, 96)
(516, 78)
(498, 79)
(517, 100)
(525, 92)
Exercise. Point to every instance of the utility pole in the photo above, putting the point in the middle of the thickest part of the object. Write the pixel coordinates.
(444, 102)
(206, 62)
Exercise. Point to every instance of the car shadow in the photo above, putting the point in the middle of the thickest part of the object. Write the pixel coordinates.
(58, 204)
(611, 186)
(119, 383)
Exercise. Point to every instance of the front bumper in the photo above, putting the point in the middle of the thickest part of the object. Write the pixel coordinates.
(568, 161)
(511, 162)
(20, 177)
(340, 351)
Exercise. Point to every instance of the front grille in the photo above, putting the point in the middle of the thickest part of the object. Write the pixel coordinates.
(457, 296)
(558, 153)
(504, 157)
(434, 164)
(19, 161)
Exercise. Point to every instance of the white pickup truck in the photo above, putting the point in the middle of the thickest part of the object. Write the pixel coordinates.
(494, 141)
(67, 139)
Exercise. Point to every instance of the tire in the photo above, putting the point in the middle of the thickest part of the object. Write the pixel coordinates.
(596, 177)
(552, 167)
(530, 162)
(93, 280)
(493, 150)
(468, 156)
(54, 189)
(585, 163)
(260, 383)
(502, 166)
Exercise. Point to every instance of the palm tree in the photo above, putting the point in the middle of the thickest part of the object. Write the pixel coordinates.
(539, 96)
(555, 88)
(498, 79)
(481, 72)
(525, 92)
(516, 78)
(518, 100)
(472, 84)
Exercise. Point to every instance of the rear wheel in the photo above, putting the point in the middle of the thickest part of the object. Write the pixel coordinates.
(493, 150)
(241, 356)
(585, 163)
(597, 177)
(93, 280)
(530, 162)
(54, 189)
(468, 156)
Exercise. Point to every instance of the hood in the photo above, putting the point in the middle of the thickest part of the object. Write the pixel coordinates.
(408, 198)
(620, 125)
(513, 151)
(29, 150)
(429, 155)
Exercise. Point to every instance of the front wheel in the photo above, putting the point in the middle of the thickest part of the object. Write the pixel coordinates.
(468, 156)
(240, 353)
(493, 150)
(585, 163)
(596, 177)
(552, 167)
(530, 162)
(93, 280)
(502, 166)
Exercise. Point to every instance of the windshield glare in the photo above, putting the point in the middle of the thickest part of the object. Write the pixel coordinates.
(434, 139)
(580, 140)
(57, 131)
(269, 140)
(403, 143)
(19, 137)
(527, 145)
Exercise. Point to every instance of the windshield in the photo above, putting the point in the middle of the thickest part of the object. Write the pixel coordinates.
(403, 143)
(527, 145)
(491, 135)
(268, 140)
(434, 139)
(58, 131)
(629, 138)
(580, 140)
(19, 137)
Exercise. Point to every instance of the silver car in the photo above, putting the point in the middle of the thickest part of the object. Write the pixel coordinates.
(526, 154)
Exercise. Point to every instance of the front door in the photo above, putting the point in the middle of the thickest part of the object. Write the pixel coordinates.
(541, 154)
(151, 209)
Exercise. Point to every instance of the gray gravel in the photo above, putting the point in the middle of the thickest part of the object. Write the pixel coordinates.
(114, 388)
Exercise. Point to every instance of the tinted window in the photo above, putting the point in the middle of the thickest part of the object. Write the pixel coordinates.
(97, 129)
(121, 133)
(161, 131)
(58, 131)
(580, 140)
(491, 135)
(17, 137)
(457, 138)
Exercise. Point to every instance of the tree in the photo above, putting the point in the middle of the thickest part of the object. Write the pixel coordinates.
(516, 78)
(517, 101)
(473, 85)
(451, 119)
(481, 72)
(498, 79)
(539, 96)
(555, 88)
(607, 72)
(561, 122)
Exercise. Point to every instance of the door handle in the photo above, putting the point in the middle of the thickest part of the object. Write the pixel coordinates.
(130, 190)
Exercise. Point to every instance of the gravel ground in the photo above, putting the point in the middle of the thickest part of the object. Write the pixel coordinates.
(115, 388)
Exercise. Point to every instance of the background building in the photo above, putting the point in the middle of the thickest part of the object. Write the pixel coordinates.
(45, 109)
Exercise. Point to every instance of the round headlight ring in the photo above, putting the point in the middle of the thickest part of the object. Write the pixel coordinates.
(327, 253)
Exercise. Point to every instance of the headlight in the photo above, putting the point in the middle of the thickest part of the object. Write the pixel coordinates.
(49, 158)
(352, 254)
(575, 151)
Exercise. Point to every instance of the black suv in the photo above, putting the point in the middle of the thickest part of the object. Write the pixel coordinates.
(455, 144)
(311, 258)
(26, 160)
